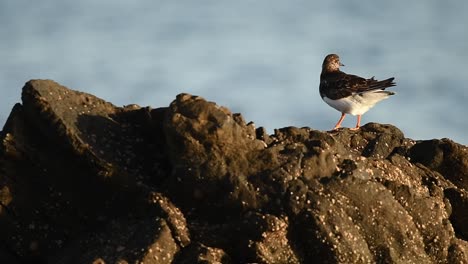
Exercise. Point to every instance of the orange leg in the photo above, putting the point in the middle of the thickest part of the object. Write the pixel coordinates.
(358, 124)
(340, 121)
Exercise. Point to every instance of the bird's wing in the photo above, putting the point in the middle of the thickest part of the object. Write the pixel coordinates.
(340, 84)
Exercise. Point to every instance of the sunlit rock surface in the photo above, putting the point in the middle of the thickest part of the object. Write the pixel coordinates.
(84, 181)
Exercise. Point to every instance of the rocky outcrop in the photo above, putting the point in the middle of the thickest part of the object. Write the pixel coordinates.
(84, 181)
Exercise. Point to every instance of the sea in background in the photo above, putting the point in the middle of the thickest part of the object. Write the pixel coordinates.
(261, 58)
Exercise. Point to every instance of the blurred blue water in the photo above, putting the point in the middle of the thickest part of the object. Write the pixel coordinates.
(259, 57)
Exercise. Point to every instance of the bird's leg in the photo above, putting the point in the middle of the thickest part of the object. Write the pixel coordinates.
(358, 124)
(340, 121)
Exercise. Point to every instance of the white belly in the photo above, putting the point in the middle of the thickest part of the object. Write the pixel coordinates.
(357, 104)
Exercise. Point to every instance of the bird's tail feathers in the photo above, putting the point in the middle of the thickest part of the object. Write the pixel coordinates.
(384, 92)
(382, 84)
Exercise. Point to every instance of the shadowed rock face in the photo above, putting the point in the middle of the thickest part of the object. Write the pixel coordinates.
(84, 181)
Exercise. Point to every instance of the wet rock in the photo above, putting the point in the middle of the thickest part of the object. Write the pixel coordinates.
(84, 181)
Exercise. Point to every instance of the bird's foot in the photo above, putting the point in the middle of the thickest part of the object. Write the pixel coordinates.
(335, 129)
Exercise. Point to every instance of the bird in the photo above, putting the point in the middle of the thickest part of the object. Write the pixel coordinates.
(350, 94)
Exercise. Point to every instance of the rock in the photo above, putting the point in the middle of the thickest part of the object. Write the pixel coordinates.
(199, 253)
(267, 239)
(84, 181)
(8, 257)
(458, 252)
(444, 156)
(210, 151)
(80, 175)
(174, 217)
(459, 216)
(124, 241)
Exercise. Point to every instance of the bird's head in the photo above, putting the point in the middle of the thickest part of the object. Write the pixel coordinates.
(331, 63)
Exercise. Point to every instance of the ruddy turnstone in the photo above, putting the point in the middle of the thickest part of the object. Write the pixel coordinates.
(350, 94)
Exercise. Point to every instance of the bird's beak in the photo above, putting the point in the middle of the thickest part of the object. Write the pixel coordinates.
(341, 64)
